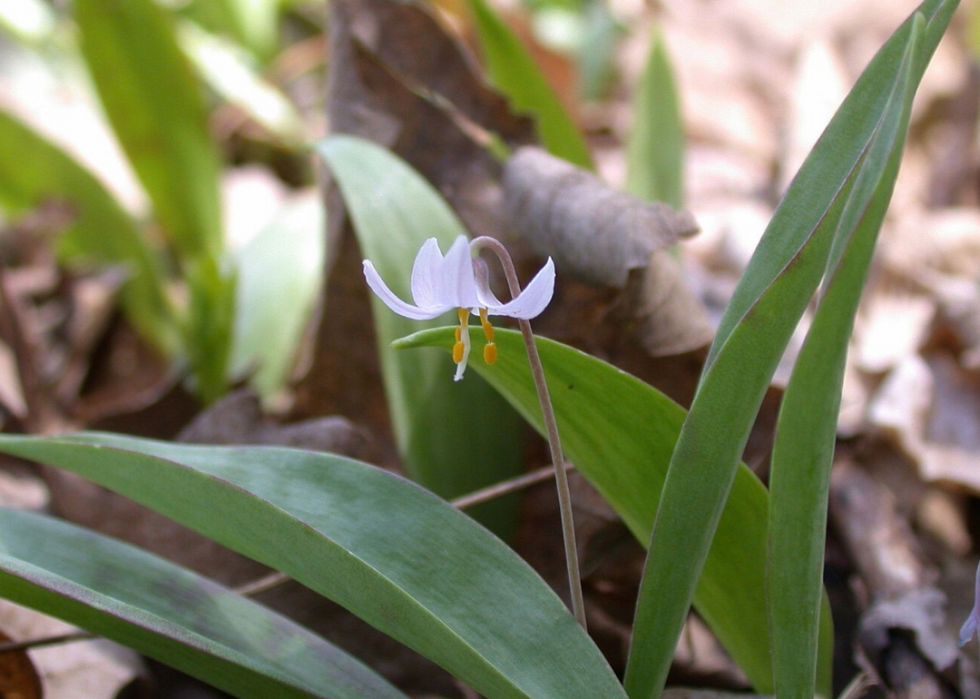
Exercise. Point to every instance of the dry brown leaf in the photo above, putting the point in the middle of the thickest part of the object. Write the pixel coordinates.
(893, 324)
(661, 313)
(901, 405)
(19, 678)
(238, 419)
(398, 78)
(594, 232)
(96, 669)
(951, 452)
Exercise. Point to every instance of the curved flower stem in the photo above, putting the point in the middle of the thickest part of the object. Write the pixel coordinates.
(551, 425)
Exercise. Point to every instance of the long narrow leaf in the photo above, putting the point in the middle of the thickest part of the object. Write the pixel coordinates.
(230, 73)
(153, 101)
(280, 273)
(437, 422)
(806, 430)
(757, 325)
(655, 151)
(172, 614)
(514, 72)
(34, 170)
(620, 432)
(815, 188)
(392, 553)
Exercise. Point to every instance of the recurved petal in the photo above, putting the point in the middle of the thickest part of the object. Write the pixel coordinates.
(483, 291)
(425, 275)
(393, 302)
(969, 627)
(457, 274)
(535, 297)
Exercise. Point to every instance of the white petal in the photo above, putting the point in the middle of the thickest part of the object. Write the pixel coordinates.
(458, 275)
(425, 275)
(393, 302)
(535, 297)
(483, 291)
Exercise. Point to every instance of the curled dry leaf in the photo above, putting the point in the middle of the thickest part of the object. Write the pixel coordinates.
(601, 236)
(594, 232)
(665, 317)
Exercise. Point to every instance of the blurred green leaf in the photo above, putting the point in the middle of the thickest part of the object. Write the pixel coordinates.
(172, 614)
(761, 317)
(210, 325)
(280, 273)
(34, 170)
(806, 431)
(229, 71)
(154, 104)
(598, 52)
(31, 21)
(655, 151)
(390, 552)
(620, 433)
(252, 24)
(514, 72)
(437, 422)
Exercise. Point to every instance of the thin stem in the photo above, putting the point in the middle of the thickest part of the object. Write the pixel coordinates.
(12, 646)
(551, 426)
(511, 485)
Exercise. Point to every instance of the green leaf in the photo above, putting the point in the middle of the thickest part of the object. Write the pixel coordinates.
(806, 430)
(34, 170)
(392, 553)
(154, 104)
(514, 72)
(210, 325)
(655, 151)
(30, 21)
(172, 614)
(229, 71)
(620, 432)
(764, 311)
(280, 273)
(437, 422)
(253, 24)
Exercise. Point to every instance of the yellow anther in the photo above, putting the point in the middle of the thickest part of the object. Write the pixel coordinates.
(462, 337)
(487, 328)
(490, 353)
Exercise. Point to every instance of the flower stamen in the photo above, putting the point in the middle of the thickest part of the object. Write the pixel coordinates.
(490, 349)
(461, 350)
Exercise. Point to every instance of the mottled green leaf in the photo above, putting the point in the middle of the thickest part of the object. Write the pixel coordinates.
(391, 552)
(171, 614)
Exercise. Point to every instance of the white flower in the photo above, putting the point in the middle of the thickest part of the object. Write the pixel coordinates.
(440, 284)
